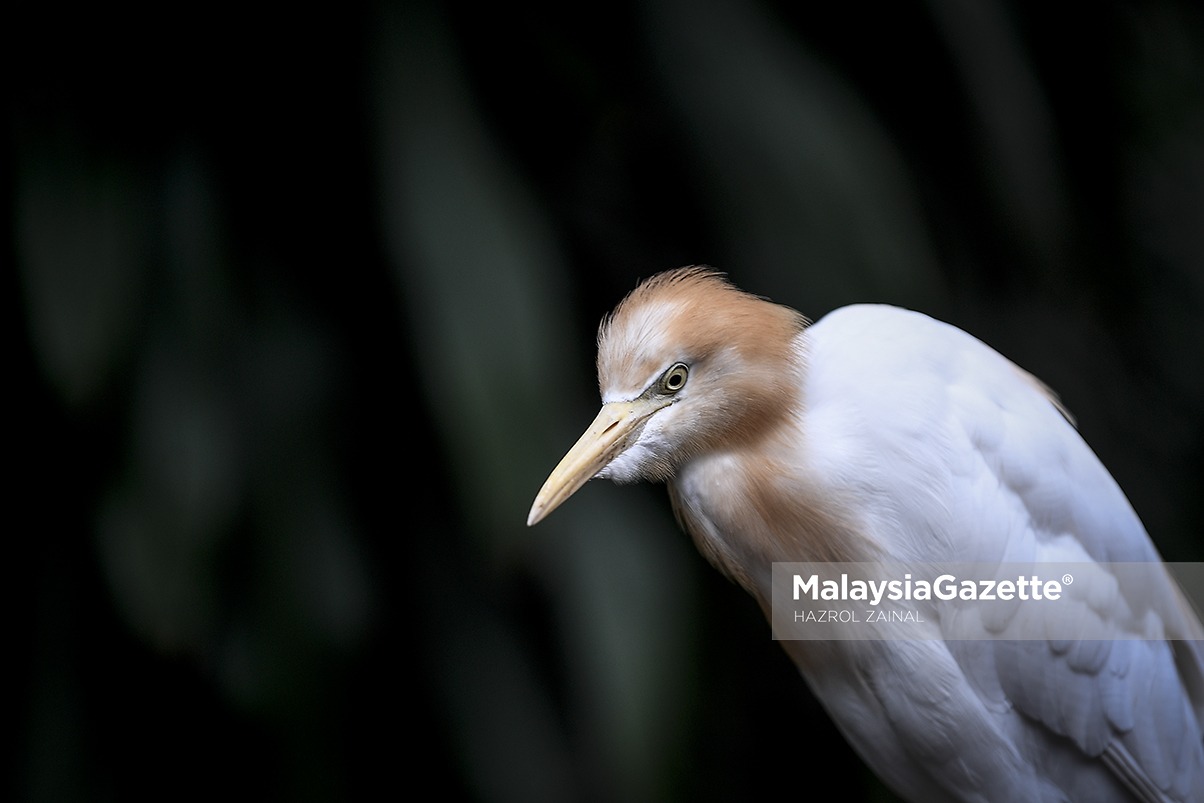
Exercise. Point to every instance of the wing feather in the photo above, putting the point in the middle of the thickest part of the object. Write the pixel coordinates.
(1008, 478)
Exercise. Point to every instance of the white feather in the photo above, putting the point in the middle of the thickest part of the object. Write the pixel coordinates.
(964, 459)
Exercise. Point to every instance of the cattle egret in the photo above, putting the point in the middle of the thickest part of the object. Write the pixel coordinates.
(879, 433)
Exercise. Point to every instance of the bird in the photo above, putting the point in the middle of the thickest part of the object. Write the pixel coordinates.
(879, 435)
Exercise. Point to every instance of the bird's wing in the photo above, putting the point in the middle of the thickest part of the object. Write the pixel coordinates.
(972, 461)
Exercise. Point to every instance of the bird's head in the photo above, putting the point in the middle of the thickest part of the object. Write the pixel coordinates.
(687, 364)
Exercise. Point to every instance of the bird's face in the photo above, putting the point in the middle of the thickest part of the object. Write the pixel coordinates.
(631, 438)
(685, 363)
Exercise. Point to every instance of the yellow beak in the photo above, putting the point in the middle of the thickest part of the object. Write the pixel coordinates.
(605, 440)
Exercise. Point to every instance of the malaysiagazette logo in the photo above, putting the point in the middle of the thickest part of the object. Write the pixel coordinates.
(1009, 601)
(945, 587)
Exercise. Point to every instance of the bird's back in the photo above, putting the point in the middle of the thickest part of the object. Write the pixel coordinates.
(967, 458)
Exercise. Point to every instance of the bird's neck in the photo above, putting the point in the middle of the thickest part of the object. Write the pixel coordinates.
(748, 509)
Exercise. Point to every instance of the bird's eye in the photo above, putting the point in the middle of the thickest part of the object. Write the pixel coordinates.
(675, 378)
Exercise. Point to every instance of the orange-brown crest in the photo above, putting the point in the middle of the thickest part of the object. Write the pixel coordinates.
(693, 315)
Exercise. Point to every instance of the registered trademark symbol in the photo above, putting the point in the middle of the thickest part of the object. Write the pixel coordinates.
(1067, 579)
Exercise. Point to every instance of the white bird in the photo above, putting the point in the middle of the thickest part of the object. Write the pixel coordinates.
(880, 434)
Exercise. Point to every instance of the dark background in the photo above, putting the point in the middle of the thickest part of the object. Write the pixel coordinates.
(303, 307)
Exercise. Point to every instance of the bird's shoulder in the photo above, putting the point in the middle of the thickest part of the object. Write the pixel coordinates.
(916, 409)
(861, 350)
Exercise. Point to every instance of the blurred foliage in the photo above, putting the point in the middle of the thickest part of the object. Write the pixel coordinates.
(304, 312)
